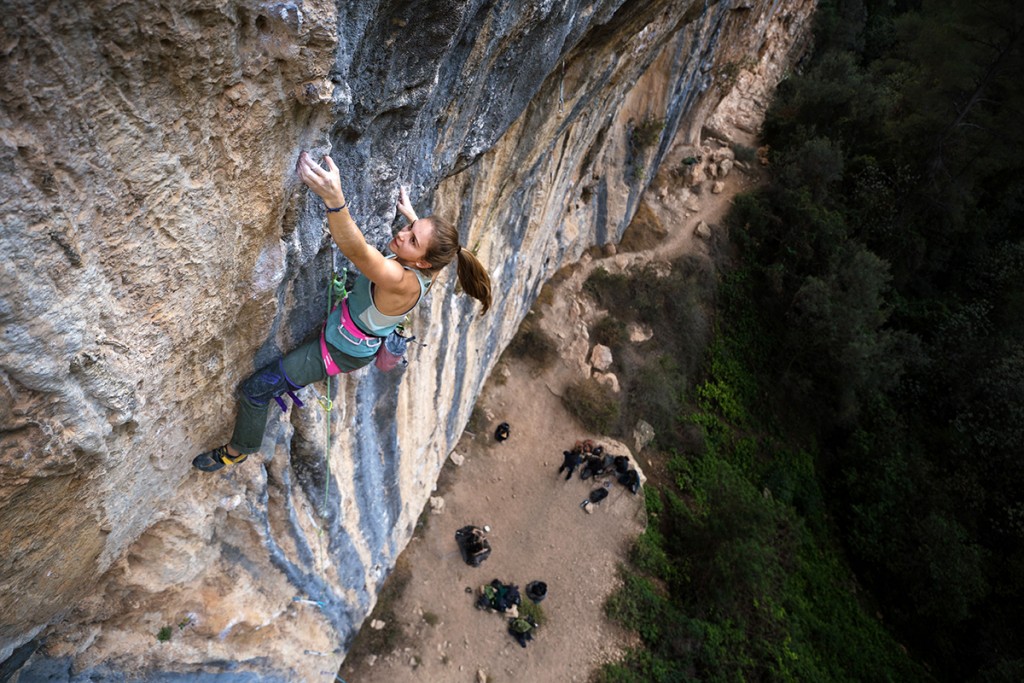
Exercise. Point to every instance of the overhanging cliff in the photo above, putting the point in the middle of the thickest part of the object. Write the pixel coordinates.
(157, 248)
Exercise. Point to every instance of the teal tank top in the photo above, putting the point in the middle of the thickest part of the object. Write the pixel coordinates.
(367, 318)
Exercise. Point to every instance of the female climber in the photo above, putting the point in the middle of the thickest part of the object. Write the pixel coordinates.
(385, 291)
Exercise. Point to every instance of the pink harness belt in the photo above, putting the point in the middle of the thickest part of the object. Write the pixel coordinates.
(350, 327)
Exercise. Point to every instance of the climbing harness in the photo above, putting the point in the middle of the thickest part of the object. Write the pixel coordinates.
(336, 291)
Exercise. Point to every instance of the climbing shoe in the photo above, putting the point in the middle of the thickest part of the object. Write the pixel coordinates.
(211, 461)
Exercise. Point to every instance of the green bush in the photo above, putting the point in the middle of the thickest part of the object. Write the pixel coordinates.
(655, 394)
(639, 606)
(744, 153)
(645, 135)
(611, 291)
(730, 581)
(610, 332)
(648, 554)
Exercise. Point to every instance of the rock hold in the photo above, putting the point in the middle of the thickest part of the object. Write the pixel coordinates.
(319, 91)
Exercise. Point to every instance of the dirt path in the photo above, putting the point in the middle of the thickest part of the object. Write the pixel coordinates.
(537, 529)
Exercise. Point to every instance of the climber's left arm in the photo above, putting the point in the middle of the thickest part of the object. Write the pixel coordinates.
(405, 206)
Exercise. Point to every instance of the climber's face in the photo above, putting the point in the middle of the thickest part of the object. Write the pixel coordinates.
(411, 242)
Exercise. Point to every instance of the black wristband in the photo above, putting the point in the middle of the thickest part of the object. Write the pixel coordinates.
(330, 210)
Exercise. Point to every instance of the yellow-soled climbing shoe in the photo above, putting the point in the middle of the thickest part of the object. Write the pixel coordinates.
(211, 461)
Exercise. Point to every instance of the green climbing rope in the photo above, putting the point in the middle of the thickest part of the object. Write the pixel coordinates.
(336, 291)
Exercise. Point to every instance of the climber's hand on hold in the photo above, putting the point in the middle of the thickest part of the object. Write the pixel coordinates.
(405, 206)
(325, 183)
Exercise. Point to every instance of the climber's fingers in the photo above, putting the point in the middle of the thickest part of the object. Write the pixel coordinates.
(404, 205)
(325, 183)
(307, 168)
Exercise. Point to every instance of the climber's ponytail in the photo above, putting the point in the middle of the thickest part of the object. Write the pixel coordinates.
(444, 248)
(474, 279)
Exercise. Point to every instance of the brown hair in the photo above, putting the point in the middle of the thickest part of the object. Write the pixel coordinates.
(445, 248)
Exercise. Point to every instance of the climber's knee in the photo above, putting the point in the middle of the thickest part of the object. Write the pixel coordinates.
(269, 383)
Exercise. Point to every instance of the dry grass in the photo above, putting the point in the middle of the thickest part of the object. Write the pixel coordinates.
(370, 641)
(532, 344)
(645, 231)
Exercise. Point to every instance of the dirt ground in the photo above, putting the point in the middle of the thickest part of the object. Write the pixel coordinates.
(538, 530)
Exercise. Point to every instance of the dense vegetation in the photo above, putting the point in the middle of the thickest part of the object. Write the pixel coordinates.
(861, 410)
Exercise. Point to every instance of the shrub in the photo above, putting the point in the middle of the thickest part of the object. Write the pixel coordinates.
(611, 291)
(656, 396)
(610, 332)
(649, 555)
(533, 344)
(592, 404)
(638, 606)
(744, 153)
(645, 134)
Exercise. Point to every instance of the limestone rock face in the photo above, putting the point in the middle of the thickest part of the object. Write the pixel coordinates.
(157, 248)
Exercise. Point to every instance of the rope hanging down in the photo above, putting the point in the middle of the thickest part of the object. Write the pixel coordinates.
(336, 291)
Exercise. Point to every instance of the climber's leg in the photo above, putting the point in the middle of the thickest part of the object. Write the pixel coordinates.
(300, 367)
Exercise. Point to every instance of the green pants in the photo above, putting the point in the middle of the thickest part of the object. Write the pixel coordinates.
(302, 366)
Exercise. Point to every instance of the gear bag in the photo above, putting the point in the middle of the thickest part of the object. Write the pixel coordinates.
(473, 544)
(391, 353)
